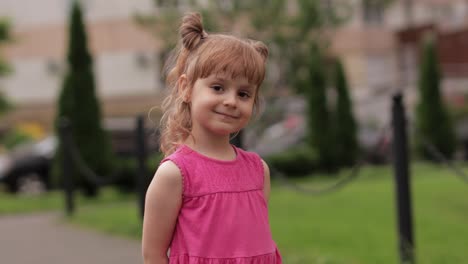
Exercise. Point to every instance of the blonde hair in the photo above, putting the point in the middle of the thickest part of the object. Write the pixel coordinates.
(198, 55)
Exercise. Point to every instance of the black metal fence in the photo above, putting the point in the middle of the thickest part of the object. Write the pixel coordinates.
(398, 128)
(72, 160)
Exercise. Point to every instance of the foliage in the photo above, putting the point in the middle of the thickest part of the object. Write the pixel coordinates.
(295, 162)
(15, 138)
(5, 33)
(339, 227)
(4, 104)
(128, 171)
(288, 31)
(5, 69)
(378, 2)
(320, 132)
(289, 28)
(433, 122)
(78, 103)
(5, 36)
(163, 25)
(344, 125)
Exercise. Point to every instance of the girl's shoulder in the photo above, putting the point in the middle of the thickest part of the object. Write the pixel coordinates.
(249, 155)
(176, 159)
(169, 171)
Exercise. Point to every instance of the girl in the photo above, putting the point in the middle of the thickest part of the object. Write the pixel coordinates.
(208, 199)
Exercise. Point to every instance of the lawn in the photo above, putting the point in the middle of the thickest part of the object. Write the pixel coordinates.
(356, 224)
(55, 200)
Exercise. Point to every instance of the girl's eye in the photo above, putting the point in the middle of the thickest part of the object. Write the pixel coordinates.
(244, 94)
(217, 88)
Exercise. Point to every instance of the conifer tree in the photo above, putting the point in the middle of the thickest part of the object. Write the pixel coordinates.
(319, 133)
(78, 102)
(4, 67)
(346, 145)
(433, 123)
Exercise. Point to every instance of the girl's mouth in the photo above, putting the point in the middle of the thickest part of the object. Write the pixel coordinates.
(227, 115)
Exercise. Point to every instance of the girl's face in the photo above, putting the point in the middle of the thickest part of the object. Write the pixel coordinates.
(221, 105)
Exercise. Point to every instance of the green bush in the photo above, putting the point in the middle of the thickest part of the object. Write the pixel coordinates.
(14, 138)
(128, 171)
(295, 162)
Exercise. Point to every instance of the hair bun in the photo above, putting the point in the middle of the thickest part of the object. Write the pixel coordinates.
(191, 30)
(260, 48)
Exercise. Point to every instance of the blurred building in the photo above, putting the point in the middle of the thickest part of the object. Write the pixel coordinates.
(126, 72)
(380, 47)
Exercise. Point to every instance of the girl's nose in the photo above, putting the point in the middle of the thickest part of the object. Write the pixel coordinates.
(230, 100)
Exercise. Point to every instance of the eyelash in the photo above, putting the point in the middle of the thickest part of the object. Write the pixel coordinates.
(244, 94)
(217, 88)
(220, 88)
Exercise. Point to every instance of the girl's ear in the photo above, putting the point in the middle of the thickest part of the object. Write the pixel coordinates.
(184, 89)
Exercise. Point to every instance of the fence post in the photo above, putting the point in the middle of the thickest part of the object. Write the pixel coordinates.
(67, 165)
(402, 183)
(142, 180)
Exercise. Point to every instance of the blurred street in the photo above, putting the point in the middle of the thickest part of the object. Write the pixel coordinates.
(47, 239)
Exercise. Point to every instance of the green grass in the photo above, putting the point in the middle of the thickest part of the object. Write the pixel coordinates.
(117, 219)
(358, 223)
(54, 201)
(15, 204)
(354, 225)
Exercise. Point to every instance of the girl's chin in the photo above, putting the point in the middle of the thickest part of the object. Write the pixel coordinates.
(220, 131)
(223, 133)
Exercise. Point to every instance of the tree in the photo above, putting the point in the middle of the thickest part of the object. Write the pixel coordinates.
(345, 126)
(78, 103)
(319, 132)
(288, 33)
(4, 67)
(433, 124)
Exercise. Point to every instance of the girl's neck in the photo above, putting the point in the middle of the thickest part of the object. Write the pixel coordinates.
(215, 147)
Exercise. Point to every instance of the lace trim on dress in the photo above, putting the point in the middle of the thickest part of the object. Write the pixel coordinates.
(273, 258)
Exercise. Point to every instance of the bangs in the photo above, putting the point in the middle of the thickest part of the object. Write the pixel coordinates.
(228, 56)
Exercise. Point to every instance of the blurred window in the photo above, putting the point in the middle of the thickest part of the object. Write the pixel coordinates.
(373, 11)
(167, 3)
(380, 73)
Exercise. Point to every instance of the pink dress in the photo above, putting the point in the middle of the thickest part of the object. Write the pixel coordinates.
(224, 215)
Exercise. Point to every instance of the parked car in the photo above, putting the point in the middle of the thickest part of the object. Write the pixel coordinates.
(26, 168)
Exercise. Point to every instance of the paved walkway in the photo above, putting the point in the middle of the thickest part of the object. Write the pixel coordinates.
(46, 239)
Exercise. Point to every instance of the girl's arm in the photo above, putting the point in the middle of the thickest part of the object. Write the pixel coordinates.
(163, 202)
(266, 186)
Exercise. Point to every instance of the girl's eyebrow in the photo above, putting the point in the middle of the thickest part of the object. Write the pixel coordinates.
(247, 87)
(244, 86)
(219, 79)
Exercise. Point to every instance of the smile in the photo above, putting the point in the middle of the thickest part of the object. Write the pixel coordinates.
(226, 115)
